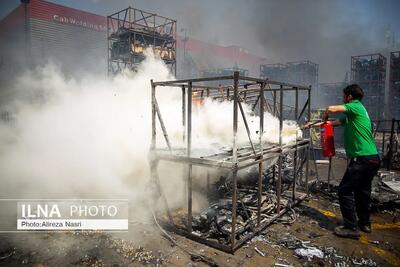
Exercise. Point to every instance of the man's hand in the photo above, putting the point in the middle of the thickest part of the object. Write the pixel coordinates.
(332, 109)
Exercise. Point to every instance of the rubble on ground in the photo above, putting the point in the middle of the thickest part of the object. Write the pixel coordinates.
(308, 252)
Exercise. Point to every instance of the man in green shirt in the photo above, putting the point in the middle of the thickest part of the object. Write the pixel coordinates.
(355, 187)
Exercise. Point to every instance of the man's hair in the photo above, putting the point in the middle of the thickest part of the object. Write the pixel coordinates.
(354, 90)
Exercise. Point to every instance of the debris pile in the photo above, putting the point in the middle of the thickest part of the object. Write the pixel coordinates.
(309, 252)
(215, 222)
(386, 190)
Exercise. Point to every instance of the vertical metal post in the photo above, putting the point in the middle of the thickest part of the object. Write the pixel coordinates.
(235, 114)
(260, 165)
(108, 47)
(183, 113)
(383, 142)
(390, 151)
(329, 173)
(309, 135)
(296, 107)
(175, 38)
(188, 152)
(234, 156)
(153, 115)
(208, 183)
(274, 111)
(296, 111)
(134, 33)
(154, 32)
(185, 183)
(279, 182)
(130, 43)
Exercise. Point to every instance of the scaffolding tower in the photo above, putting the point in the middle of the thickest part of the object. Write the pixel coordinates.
(298, 72)
(303, 72)
(394, 83)
(369, 71)
(276, 71)
(131, 31)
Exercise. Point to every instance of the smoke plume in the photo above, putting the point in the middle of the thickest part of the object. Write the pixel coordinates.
(90, 137)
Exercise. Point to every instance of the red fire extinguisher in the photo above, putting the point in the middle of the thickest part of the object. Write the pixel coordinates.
(327, 143)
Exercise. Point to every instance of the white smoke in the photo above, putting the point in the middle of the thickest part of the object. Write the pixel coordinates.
(91, 137)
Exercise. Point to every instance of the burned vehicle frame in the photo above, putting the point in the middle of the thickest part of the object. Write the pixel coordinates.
(253, 92)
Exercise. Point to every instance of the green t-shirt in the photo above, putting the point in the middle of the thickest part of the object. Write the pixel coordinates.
(358, 139)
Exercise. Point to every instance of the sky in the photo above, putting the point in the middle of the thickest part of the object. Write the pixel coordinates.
(324, 31)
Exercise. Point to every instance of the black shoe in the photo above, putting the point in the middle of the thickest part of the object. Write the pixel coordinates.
(346, 232)
(366, 228)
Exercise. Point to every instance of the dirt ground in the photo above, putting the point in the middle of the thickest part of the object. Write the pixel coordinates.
(144, 245)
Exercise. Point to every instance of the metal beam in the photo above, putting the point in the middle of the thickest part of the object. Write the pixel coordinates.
(188, 153)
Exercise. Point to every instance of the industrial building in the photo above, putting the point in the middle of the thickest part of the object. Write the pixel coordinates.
(78, 38)
(38, 30)
(394, 84)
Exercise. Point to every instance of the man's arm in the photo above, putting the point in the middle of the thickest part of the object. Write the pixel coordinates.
(333, 109)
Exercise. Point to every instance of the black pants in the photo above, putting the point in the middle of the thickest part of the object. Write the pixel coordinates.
(355, 190)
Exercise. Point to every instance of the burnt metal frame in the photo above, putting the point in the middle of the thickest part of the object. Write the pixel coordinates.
(139, 25)
(238, 158)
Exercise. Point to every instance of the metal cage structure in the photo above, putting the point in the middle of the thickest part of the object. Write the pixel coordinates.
(369, 71)
(394, 84)
(253, 154)
(296, 72)
(304, 73)
(131, 31)
(277, 71)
